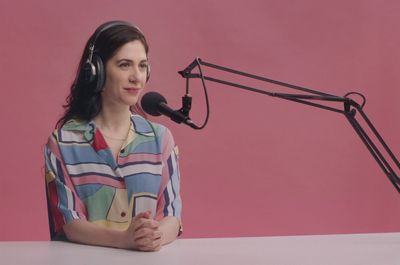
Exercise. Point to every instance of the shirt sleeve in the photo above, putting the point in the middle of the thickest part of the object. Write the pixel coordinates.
(64, 205)
(170, 203)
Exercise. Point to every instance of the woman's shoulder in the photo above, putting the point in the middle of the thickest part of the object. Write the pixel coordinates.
(71, 129)
(145, 126)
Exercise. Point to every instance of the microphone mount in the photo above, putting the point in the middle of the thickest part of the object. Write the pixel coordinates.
(312, 98)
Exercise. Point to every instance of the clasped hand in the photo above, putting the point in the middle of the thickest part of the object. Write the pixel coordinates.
(143, 233)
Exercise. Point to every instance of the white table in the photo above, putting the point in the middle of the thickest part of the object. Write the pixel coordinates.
(354, 249)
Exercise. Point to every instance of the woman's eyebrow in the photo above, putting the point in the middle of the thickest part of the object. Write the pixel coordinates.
(124, 60)
(130, 61)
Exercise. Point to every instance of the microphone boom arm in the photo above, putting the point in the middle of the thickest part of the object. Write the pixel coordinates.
(350, 109)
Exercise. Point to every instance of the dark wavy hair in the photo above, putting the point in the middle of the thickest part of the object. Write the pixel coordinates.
(83, 102)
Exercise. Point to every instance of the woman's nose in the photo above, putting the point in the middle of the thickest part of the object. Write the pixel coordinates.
(134, 75)
(132, 79)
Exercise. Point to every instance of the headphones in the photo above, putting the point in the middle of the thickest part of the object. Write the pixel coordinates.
(93, 69)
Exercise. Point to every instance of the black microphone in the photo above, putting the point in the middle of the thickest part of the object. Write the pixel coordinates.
(155, 104)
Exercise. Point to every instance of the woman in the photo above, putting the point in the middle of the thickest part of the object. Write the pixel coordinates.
(112, 176)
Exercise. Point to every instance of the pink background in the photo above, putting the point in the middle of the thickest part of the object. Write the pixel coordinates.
(262, 166)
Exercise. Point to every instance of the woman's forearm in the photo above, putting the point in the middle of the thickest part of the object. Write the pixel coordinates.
(81, 231)
(143, 234)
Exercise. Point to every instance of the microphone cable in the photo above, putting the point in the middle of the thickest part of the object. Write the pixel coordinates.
(205, 95)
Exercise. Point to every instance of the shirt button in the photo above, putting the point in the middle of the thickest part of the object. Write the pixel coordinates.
(123, 214)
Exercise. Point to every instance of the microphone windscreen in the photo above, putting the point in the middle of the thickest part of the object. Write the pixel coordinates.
(151, 101)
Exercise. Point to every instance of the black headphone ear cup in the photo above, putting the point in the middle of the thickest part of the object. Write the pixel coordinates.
(88, 72)
(100, 76)
(148, 73)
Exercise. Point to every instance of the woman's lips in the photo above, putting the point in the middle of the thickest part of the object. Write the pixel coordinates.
(132, 89)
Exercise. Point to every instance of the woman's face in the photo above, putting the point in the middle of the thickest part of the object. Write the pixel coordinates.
(126, 74)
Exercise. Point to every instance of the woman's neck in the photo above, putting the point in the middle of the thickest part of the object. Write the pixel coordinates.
(113, 120)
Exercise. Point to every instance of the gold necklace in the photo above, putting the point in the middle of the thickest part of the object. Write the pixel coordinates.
(115, 139)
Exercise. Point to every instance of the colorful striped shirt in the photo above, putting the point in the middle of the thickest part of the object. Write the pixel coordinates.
(85, 181)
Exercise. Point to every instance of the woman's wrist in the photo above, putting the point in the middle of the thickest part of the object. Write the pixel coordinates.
(123, 240)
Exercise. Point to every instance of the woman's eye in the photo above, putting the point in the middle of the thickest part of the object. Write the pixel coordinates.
(124, 65)
(143, 66)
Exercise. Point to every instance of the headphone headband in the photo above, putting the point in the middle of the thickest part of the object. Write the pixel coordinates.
(102, 28)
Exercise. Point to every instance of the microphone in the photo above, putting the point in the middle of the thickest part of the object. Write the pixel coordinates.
(155, 104)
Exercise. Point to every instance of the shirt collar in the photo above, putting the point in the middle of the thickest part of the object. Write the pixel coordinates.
(140, 124)
(87, 128)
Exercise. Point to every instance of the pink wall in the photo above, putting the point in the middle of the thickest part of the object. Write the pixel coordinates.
(263, 166)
